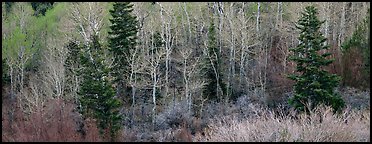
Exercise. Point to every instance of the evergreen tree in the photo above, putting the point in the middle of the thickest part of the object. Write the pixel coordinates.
(313, 84)
(96, 93)
(213, 68)
(40, 8)
(5, 77)
(122, 39)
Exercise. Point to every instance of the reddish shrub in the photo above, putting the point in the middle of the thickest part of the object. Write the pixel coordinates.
(183, 135)
(278, 67)
(54, 121)
(352, 74)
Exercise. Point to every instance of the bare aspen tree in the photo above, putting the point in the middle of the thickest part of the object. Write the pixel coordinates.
(23, 57)
(244, 35)
(334, 23)
(188, 21)
(282, 31)
(154, 64)
(230, 76)
(53, 73)
(167, 37)
(279, 16)
(342, 24)
(22, 51)
(88, 18)
(260, 54)
(184, 34)
(258, 17)
(134, 69)
(220, 10)
(327, 12)
(151, 66)
(53, 69)
(194, 82)
(17, 49)
(185, 53)
(135, 60)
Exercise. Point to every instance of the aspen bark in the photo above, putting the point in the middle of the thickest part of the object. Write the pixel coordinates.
(342, 25)
(242, 51)
(258, 18)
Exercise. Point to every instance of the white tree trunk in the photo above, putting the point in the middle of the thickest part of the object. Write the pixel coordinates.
(342, 24)
(186, 80)
(242, 51)
(166, 29)
(258, 18)
(326, 21)
(188, 22)
(231, 73)
(221, 15)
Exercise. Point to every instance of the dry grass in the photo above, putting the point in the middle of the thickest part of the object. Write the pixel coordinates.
(321, 125)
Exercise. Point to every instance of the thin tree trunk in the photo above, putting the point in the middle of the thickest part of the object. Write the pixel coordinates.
(186, 81)
(154, 81)
(12, 97)
(188, 22)
(278, 15)
(167, 38)
(220, 10)
(232, 55)
(258, 18)
(326, 21)
(342, 26)
(242, 51)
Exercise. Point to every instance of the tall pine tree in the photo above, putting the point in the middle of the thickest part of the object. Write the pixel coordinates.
(215, 86)
(122, 39)
(96, 92)
(313, 84)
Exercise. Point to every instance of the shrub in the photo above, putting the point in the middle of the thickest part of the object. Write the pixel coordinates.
(172, 117)
(52, 122)
(320, 125)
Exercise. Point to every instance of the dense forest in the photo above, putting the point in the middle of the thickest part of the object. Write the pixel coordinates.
(177, 71)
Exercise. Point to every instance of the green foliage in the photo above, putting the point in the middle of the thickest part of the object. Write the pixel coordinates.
(251, 10)
(313, 85)
(122, 40)
(43, 29)
(286, 15)
(361, 41)
(32, 36)
(213, 67)
(96, 93)
(14, 39)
